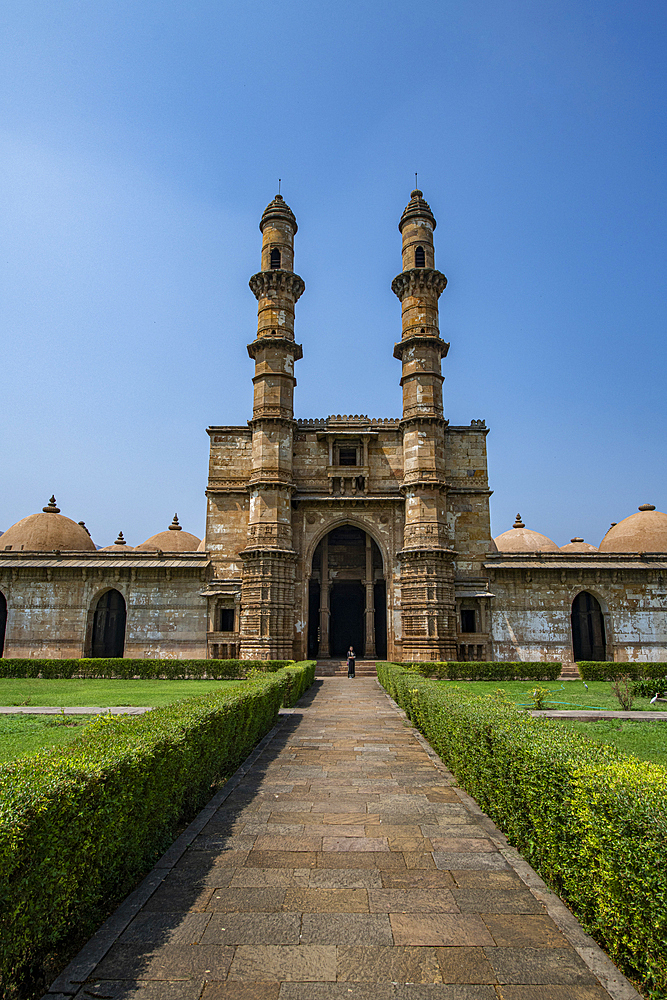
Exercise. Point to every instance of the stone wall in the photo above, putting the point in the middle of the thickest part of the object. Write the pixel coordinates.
(51, 602)
(533, 598)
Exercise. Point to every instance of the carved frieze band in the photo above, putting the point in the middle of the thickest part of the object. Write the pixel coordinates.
(417, 281)
(267, 283)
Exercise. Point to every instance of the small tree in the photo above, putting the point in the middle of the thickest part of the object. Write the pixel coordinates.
(622, 688)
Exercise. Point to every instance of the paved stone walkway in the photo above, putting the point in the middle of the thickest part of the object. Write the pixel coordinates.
(344, 864)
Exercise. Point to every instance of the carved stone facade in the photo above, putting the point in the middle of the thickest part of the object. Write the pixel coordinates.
(327, 532)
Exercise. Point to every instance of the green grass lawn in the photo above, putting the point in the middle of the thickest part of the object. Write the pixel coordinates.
(563, 694)
(26, 734)
(646, 740)
(100, 693)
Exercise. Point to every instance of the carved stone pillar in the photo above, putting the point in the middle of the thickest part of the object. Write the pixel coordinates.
(324, 601)
(369, 648)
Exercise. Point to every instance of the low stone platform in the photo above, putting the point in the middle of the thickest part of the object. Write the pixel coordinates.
(73, 710)
(342, 862)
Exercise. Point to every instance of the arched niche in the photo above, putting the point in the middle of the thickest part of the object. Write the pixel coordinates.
(347, 599)
(588, 631)
(109, 619)
(3, 621)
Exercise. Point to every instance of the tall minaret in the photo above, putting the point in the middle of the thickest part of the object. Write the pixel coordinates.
(427, 563)
(267, 596)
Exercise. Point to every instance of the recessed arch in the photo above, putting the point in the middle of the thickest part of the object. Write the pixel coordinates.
(3, 621)
(109, 621)
(355, 522)
(275, 259)
(420, 257)
(589, 640)
(347, 591)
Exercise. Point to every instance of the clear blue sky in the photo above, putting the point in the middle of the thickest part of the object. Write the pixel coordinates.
(140, 144)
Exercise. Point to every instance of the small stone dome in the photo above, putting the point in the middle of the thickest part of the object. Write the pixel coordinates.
(521, 539)
(174, 539)
(578, 545)
(645, 531)
(120, 545)
(46, 532)
(202, 546)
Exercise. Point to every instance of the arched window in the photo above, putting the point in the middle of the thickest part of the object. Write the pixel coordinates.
(588, 638)
(109, 625)
(275, 259)
(3, 621)
(420, 257)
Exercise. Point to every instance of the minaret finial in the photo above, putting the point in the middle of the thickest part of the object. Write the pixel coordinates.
(279, 185)
(416, 185)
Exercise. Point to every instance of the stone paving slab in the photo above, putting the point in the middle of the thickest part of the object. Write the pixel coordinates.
(342, 861)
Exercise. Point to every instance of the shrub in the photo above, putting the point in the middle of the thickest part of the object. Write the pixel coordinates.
(591, 819)
(602, 670)
(646, 687)
(623, 689)
(145, 669)
(489, 670)
(79, 825)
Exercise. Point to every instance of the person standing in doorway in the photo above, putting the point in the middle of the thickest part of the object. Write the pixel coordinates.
(351, 658)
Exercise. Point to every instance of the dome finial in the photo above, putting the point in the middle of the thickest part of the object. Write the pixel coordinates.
(51, 509)
(518, 523)
(120, 540)
(646, 506)
(82, 524)
(175, 526)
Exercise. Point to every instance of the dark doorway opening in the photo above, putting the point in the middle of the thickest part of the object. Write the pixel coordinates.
(3, 621)
(588, 635)
(109, 625)
(313, 619)
(347, 618)
(380, 596)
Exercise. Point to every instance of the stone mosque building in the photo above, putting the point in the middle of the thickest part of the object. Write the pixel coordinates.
(323, 533)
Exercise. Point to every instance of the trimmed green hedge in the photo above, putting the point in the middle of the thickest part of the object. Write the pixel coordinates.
(79, 825)
(145, 669)
(488, 670)
(591, 819)
(601, 670)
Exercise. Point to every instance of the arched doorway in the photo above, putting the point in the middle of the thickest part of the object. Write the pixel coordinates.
(588, 634)
(347, 601)
(3, 621)
(109, 625)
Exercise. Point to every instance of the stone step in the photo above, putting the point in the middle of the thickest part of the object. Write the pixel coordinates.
(570, 672)
(338, 668)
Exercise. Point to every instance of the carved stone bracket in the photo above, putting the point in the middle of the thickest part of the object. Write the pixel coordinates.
(264, 283)
(417, 281)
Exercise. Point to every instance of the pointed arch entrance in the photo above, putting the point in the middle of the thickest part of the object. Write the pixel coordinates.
(588, 632)
(108, 637)
(3, 621)
(347, 601)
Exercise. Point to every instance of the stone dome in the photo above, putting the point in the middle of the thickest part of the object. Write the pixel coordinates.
(202, 546)
(47, 531)
(521, 539)
(120, 545)
(174, 539)
(578, 545)
(645, 531)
